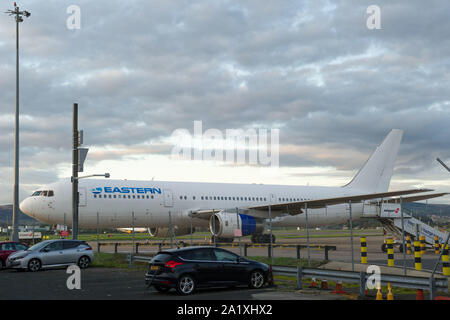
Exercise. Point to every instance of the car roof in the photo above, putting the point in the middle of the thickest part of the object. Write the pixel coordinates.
(176, 250)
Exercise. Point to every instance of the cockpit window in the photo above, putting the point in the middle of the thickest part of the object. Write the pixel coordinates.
(46, 193)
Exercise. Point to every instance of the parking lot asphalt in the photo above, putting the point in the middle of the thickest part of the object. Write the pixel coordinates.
(113, 283)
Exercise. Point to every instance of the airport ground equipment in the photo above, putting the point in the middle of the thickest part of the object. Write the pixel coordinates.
(408, 245)
(431, 284)
(445, 261)
(390, 252)
(417, 256)
(436, 245)
(363, 250)
(389, 215)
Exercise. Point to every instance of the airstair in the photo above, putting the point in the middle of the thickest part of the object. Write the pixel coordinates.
(390, 216)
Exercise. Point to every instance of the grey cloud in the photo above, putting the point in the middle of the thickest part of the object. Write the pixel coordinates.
(139, 70)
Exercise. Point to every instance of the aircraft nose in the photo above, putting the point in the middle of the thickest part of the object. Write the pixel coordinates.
(26, 206)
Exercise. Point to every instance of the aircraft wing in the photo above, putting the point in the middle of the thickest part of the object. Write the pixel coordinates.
(294, 208)
(203, 214)
(416, 198)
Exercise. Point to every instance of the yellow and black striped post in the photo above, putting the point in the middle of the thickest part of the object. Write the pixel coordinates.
(417, 256)
(390, 252)
(436, 245)
(408, 245)
(423, 248)
(445, 262)
(363, 250)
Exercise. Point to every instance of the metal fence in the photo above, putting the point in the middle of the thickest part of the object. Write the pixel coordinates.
(245, 246)
(431, 284)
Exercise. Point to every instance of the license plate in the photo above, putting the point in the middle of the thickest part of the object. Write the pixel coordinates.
(153, 268)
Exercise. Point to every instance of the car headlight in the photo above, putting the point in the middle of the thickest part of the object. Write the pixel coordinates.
(18, 258)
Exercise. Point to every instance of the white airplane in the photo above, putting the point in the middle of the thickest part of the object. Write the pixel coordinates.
(229, 210)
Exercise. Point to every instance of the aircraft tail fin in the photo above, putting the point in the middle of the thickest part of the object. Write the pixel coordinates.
(375, 175)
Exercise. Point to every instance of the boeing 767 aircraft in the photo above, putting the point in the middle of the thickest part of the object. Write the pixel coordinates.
(227, 209)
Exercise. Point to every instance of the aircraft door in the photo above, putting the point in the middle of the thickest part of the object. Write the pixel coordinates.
(272, 198)
(168, 198)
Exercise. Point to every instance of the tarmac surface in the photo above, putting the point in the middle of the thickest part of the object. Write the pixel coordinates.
(122, 284)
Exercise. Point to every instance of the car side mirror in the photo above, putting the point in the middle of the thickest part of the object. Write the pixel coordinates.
(45, 250)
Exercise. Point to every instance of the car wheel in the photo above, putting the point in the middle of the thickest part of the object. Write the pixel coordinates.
(1, 264)
(186, 285)
(34, 265)
(84, 262)
(162, 289)
(384, 247)
(256, 280)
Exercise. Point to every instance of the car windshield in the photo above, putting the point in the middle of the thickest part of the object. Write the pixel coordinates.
(38, 246)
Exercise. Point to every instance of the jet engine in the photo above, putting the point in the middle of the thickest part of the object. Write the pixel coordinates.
(224, 224)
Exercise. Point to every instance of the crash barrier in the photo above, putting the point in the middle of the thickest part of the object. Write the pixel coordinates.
(431, 284)
(363, 250)
(436, 245)
(408, 245)
(423, 245)
(160, 245)
(417, 256)
(390, 252)
(445, 262)
(298, 248)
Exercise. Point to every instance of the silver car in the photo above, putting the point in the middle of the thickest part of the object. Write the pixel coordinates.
(52, 253)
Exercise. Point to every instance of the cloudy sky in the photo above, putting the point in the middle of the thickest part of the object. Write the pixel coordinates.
(140, 70)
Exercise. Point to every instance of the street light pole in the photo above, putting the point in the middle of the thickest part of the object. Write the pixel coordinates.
(15, 234)
(75, 194)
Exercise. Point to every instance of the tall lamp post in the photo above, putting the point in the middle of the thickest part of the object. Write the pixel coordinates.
(19, 14)
(76, 202)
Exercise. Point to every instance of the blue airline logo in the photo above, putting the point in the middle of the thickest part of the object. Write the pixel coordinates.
(125, 190)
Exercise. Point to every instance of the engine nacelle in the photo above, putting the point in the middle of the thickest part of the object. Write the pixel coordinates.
(164, 232)
(223, 224)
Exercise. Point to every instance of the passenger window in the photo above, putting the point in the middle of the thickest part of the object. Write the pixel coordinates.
(20, 246)
(44, 193)
(225, 256)
(7, 247)
(50, 193)
(203, 255)
(55, 246)
(71, 244)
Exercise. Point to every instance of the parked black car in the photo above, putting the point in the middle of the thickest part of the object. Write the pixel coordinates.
(185, 269)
